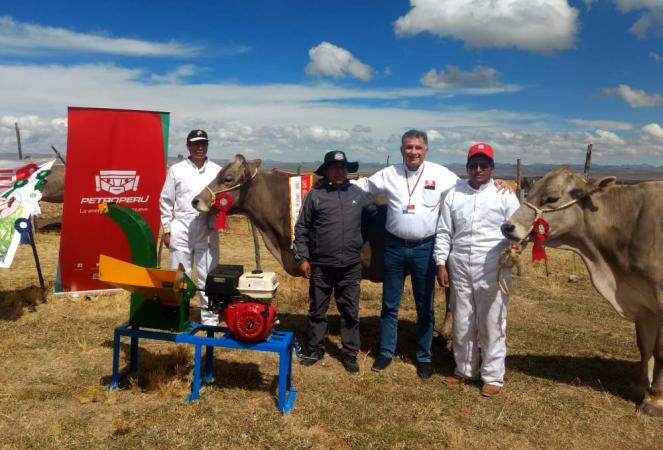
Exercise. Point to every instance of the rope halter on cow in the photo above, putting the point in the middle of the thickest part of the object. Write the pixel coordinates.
(541, 228)
(510, 257)
(231, 188)
(222, 201)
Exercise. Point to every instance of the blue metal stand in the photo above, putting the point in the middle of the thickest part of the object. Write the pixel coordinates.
(281, 342)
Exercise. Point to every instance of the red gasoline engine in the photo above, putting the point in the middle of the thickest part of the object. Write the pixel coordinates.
(243, 300)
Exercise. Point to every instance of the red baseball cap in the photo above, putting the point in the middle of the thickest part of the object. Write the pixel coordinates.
(481, 149)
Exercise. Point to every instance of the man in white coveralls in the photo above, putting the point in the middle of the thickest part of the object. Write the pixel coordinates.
(186, 232)
(469, 239)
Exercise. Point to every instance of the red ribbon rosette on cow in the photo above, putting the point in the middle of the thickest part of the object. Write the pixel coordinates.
(222, 202)
(540, 230)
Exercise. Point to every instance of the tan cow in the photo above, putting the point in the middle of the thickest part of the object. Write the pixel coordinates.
(618, 232)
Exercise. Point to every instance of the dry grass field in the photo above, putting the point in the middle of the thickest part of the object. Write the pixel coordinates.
(569, 370)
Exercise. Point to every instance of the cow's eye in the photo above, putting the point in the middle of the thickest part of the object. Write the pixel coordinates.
(228, 179)
(551, 199)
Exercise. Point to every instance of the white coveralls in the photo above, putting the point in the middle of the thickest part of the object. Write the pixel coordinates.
(192, 237)
(469, 236)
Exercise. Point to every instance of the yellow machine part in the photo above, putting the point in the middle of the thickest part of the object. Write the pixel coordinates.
(162, 286)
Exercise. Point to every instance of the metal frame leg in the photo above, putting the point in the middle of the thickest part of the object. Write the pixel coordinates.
(286, 393)
(133, 359)
(115, 379)
(195, 385)
(208, 377)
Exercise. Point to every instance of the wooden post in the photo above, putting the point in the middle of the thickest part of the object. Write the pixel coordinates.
(57, 153)
(588, 162)
(519, 181)
(18, 141)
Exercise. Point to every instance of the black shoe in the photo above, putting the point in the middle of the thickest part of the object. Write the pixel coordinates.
(424, 370)
(381, 363)
(350, 363)
(312, 358)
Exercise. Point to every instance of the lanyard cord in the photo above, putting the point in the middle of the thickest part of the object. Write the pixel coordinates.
(407, 182)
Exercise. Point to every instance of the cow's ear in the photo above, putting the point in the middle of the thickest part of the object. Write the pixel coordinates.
(251, 167)
(604, 183)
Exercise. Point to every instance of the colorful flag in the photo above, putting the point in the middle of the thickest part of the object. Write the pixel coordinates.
(19, 201)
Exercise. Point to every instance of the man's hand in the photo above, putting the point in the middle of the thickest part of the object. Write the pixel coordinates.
(166, 240)
(517, 247)
(503, 186)
(305, 269)
(442, 276)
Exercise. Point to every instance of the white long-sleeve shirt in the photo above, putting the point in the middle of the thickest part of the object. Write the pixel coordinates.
(421, 190)
(470, 221)
(183, 182)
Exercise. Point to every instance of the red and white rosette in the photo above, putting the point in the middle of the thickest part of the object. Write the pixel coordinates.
(540, 230)
(222, 202)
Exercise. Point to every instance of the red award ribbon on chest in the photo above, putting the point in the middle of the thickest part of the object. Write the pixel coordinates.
(540, 230)
(222, 202)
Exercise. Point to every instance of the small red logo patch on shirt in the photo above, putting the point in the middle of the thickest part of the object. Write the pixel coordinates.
(429, 184)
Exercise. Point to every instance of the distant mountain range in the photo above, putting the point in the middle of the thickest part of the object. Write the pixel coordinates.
(506, 171)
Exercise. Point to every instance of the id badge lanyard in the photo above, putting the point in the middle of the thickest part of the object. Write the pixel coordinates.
(409, 207)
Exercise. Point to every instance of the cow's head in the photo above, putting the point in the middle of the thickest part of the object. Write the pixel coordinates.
(234, 176)
(559, 198)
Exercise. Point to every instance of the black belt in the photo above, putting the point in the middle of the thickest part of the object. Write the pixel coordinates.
(411, 242)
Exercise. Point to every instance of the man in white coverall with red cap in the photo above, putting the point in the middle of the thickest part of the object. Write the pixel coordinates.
(188, 234)
(469, 239)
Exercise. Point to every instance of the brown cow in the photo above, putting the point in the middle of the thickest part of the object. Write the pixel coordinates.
(53, 190)
(618, 232)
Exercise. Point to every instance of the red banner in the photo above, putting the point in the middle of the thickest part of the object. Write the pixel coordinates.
(112, 156)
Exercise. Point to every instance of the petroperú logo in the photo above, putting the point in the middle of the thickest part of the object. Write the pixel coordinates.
(117, 182)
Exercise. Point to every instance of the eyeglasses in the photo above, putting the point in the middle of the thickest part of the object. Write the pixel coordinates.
(475, 165)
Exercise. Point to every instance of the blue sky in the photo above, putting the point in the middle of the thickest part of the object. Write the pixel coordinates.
(289, 80)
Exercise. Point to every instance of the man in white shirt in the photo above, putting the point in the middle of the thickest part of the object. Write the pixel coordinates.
(414, 190)
(470, 241)
(187, 233)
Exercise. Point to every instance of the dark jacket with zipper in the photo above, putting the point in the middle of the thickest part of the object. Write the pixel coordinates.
(328, 230)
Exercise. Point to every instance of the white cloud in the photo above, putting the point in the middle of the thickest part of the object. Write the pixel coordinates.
(290, 122)
(177, 75)
(455, 77)
(603, 124)
(654, 130)
(635, 98)
(655, 56)
(607, 137)
(328, 60)
(534, 25)
(25, 38)
(650, 20)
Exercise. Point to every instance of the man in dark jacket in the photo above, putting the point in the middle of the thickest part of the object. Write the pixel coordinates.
(328, 244)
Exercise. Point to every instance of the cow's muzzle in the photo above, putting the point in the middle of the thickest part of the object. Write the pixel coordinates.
(507, 230)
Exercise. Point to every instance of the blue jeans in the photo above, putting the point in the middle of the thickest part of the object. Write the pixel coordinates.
(401, 258)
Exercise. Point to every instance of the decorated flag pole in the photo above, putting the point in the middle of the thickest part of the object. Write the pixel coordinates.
(24, 227)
